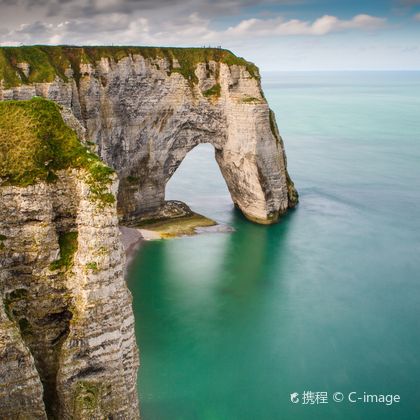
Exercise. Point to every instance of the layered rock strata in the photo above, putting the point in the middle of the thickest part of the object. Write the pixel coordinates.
(146, 108)
(67, 343)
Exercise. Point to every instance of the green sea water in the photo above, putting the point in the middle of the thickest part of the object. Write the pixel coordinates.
(230, 324)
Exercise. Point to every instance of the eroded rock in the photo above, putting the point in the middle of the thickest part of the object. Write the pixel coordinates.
(145, 109)
(67, 343)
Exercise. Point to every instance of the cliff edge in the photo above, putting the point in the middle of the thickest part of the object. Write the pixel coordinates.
(67, 344)
(145, 108)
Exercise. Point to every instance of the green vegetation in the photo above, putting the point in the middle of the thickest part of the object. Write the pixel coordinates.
(292, 193)
(2, 238)
(251, 100)
(87, 395)
(41, 68)
(11, 298)
(93, 266)
(8, 72)
(47, 62)
(103, 250)
(213, 91)
(179, 226)
(68, 247)
(133, 180)
(98, 179)
(35, 143)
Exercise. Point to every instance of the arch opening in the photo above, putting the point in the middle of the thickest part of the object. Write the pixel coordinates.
(199, 183)
(249, 155)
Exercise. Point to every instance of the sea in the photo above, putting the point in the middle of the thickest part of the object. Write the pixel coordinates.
(318, 316)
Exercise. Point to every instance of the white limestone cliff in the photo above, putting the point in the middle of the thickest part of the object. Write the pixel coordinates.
(146, 113)
(67, 339)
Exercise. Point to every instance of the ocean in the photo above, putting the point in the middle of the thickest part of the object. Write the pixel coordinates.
(323, 305)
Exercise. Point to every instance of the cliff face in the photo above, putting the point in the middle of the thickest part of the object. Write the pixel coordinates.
(146, 108)
(67, 345)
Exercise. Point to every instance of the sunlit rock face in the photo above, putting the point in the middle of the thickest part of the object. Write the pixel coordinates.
(146, 111)
(67, 339)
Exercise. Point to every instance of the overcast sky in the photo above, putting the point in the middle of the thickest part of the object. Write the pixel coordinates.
(276, 35)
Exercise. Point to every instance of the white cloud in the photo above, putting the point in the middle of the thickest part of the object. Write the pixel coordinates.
(121, 28)
(417, 16)
(321, 26)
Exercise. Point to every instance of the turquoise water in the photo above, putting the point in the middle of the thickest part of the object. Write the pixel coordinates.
(229, 325)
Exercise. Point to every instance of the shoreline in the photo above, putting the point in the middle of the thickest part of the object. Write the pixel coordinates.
(132, 238)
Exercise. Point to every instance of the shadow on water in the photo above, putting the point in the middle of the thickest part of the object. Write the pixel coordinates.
(249, 253)
(200, 305)
(230, 324)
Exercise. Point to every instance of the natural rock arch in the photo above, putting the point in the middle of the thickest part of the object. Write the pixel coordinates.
(145, 111)
(248, 152)
(237, 122)
(198, 180)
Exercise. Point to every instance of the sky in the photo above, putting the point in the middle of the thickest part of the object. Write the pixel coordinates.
(274, 34)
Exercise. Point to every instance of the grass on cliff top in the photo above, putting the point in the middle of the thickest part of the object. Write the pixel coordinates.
(35, 143)
(47, 62)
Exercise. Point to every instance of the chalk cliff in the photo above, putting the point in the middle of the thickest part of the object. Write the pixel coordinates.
(146, 108)
(67, 344)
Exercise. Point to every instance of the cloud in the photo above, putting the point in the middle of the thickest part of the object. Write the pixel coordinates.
(72, 9)
(114, 27)
(192, 29)
(321, 26)
(417, 16)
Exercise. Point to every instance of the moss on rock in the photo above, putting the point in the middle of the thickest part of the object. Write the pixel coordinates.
(2, 239)
(253, 100)
(35, 143)
(48, 62)
(214, 91)
(180, 226)
(292, 193)
(92, 266)
(87, 396)
(100, 176)
(68, 247)
(11, 298)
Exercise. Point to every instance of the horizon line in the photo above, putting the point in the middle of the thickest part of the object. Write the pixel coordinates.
(341, 70)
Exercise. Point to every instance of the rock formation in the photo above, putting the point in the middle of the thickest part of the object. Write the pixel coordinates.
(146, 108)
(67, 344)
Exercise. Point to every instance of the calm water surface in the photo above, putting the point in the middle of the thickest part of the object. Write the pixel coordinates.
(229, 325)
